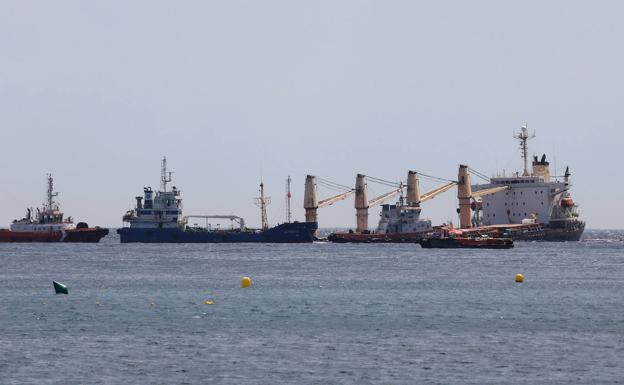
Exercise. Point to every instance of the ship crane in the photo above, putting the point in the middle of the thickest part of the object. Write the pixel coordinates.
(435, 192)
(414, 198)
(330, 201)
(384, 197)
(310, 198)
(465, 194)
(489, 191)
(362, 203)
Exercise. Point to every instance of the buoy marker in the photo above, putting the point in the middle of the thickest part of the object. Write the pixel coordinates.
(59, 288)
(246, 282)
(519, 278)
(208, 302)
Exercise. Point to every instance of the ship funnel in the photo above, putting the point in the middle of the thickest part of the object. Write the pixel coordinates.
(464, 193)
(361, 202)
(541, 168)
(310, 199)
(413, 189)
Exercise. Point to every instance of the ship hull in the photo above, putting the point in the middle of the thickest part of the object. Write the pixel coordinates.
(565, 231)
(377, 237)
(88, 235)
(296, 232)
(568, 231)
(555, 231)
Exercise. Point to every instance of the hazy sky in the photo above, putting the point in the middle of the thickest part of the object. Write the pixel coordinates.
(232, 91)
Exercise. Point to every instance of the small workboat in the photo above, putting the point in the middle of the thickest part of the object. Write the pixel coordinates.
(467, 243)
(48, 224)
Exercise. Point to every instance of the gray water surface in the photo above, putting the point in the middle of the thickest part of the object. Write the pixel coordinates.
(317, 313)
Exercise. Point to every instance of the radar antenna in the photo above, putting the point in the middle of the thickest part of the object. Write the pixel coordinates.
(165, 177)
(262, 202)
(50, 194)
(524, 137)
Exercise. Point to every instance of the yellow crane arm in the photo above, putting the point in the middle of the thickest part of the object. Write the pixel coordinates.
(434, 193)
(380, 199)
(488, 191)
(334, 199)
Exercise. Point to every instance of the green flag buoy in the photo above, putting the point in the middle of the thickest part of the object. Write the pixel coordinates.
(59, 288)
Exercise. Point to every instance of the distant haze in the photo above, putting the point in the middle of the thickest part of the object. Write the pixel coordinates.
(235, 91)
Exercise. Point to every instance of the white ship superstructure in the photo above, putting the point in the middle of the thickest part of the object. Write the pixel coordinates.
(48, 224)
(402, 218)
(157, 209)
(157, 218)
(48, 218)
(532, 196)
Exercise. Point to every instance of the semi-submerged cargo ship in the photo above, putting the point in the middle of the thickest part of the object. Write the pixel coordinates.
(47, 224)
(398, 223)
(531, 205)
(157, 218)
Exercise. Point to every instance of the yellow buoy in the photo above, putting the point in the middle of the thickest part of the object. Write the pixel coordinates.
(246, 282)
(519, 278)
(208, 302)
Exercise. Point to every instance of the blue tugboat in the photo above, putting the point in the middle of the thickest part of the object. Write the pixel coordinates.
(157, 218)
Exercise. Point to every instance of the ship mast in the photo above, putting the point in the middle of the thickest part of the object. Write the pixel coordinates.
(288, 197)
(165, 177)
(262, 202)
(524, 137)
(50, 194)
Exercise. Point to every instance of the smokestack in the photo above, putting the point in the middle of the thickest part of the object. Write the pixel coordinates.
(310, 200)
(413, 189)
(361, 202)
(464, 192)
(541, 168)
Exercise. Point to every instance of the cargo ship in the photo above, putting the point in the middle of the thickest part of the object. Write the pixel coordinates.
(398, 223)
(47, 224)
(527, 205)
(157, 218)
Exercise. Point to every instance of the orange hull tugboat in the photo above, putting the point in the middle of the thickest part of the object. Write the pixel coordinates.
(48, 225)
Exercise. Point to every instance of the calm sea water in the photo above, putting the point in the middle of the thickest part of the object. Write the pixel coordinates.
(317, 313)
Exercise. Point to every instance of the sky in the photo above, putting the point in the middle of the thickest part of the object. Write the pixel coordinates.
(232, 92)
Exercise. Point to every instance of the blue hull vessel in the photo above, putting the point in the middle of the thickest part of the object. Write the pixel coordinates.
(157, 218)
(296, 232)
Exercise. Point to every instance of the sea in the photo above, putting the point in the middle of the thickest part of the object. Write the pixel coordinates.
(316, 313)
